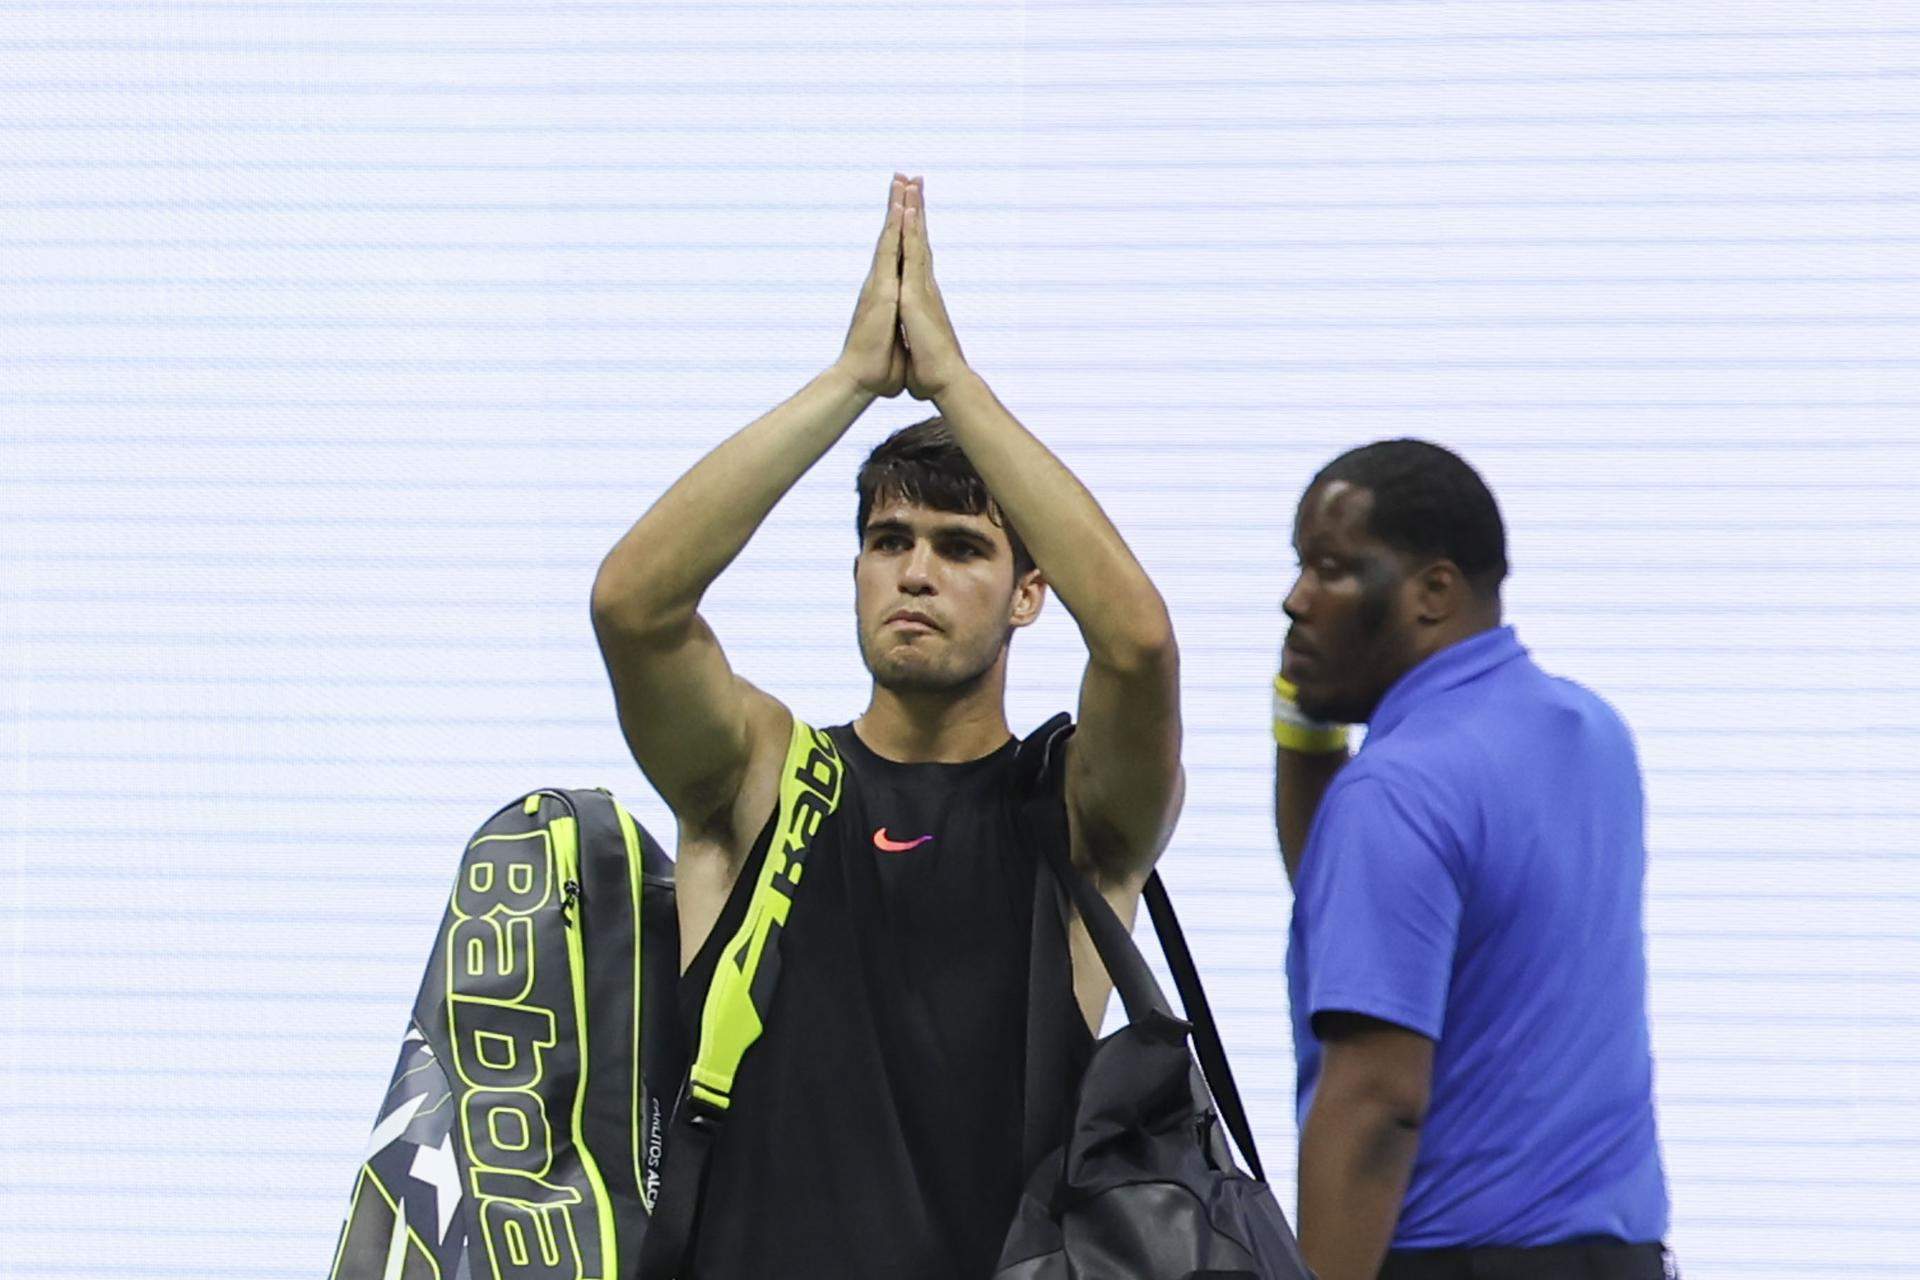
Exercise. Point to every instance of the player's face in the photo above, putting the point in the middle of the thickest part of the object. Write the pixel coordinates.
(1351, 608)
(936, 597)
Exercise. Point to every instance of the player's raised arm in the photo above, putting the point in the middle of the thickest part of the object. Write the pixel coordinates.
(1124, 782)
(693, 726)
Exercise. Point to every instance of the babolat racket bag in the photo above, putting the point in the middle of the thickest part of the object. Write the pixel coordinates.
(522, 1134)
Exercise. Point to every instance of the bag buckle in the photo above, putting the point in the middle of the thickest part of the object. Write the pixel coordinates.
(706, 1108)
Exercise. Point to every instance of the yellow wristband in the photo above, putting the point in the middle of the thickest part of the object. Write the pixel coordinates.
(1294, 730)
(1313, 742)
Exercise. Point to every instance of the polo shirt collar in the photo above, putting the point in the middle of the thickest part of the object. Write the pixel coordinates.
(1452, 666)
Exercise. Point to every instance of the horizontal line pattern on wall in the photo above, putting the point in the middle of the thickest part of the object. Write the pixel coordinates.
(340, 340)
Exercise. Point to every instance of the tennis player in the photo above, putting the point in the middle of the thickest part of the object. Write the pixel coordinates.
(875, 1128)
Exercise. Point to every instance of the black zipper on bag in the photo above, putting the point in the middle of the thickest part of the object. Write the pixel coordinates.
(569, 889)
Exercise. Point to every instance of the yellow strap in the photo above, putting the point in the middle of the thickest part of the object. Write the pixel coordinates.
(738, 998)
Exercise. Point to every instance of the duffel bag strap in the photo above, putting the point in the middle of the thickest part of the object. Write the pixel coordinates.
(1040, 821)
(1206, 1033)
(1141, 994)
(1045, 826)
(740, 998)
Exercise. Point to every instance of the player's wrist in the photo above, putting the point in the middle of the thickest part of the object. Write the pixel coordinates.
(1295, 730)
(842, 378)
(953, 381)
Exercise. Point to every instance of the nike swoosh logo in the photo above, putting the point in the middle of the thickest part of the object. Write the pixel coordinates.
(885, 845)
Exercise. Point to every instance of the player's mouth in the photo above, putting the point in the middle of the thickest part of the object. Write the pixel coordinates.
(910, 620)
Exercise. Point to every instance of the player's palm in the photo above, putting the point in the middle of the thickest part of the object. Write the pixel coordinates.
(934, 358)
(872, 356)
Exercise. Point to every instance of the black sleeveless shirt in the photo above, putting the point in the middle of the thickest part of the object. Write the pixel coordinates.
(876, 1126)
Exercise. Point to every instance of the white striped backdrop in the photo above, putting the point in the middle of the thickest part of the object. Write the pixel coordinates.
(338, 341)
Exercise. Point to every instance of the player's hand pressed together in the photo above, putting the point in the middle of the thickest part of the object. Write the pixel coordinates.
(934, 358)
(873, 356)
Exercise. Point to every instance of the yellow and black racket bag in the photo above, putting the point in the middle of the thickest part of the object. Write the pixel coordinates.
(522, 1135)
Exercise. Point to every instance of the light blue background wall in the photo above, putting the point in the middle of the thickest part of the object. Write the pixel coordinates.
(339, 340)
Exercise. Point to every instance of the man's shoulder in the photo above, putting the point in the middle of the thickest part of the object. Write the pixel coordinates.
(1524, 686)
(1388, 786)
(1542, 712)
(1406, 763)
(1471, 731)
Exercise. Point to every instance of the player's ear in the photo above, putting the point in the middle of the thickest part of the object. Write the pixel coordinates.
(1029, 597)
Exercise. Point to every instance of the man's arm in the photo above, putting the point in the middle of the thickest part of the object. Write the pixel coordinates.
(693, 726)
(1308, 754)
(1358, 1145)
(1124, 784)
(1378, 909)
(1300, 782)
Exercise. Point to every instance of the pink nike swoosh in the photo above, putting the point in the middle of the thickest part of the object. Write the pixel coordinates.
(881, 842)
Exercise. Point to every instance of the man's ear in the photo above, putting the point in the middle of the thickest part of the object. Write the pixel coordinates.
(1029, 597)
(1440, 592)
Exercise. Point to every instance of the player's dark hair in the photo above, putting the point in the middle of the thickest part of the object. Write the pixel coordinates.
(924, 465)
(1428, 502)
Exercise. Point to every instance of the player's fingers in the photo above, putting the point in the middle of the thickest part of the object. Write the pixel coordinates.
(886, 254)
(887, 266)
(915, 254)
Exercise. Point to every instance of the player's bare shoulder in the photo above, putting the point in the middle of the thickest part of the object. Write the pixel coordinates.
(717, 833)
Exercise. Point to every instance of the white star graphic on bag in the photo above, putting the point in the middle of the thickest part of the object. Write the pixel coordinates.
(392, 1126)
(435, 1166)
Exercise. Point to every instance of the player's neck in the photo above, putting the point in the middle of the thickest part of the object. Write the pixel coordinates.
(947, 727)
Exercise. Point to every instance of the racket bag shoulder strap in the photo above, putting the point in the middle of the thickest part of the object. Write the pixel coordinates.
(740, 998)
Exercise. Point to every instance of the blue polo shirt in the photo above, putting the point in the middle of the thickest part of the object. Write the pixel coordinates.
(1475, 875)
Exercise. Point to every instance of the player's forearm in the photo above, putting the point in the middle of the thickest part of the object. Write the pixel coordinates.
(656, 574)
(1356, 1154)
(1300, 781)
(1121, 614)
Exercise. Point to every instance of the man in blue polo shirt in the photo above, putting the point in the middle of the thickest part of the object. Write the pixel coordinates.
(1467, 962)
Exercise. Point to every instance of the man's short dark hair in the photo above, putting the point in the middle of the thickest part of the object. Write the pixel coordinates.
(1428, 502)
(924, 465)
